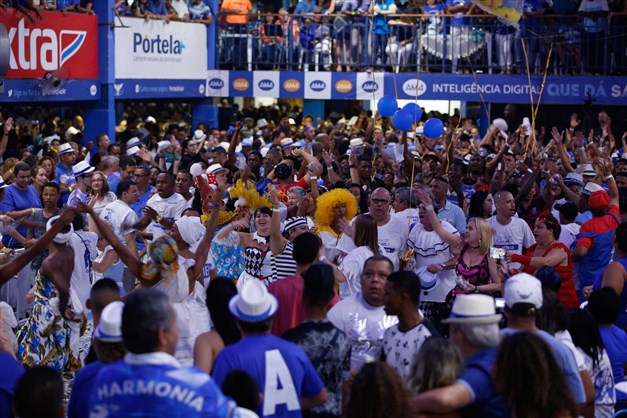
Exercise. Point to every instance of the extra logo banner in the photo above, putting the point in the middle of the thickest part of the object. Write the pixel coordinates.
(155, 50)
(56, 42)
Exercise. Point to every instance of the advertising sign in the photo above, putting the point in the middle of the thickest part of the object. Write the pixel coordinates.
(292, 85)
(217, 83)
(57, 43)
(344, 86)
(266, 84)
(318, 85)
(153, 50)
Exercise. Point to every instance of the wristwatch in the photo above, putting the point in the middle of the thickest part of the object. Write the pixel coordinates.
(159, 219)
(443, 265)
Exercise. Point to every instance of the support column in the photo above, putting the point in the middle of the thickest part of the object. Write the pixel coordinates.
(100, 115)
(205, 112)
(314, 107)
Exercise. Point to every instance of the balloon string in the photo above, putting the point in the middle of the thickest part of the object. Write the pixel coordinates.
(535, 113)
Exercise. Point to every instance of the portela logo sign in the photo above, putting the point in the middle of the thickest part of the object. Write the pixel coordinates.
(241, 84)
(216, 83)
(343, 86)
(370, 86)
(318, 85)
(291, 85)
(266, 85)
(410, 87)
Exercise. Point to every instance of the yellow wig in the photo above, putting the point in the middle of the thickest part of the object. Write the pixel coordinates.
(327, 202)
(249, 196)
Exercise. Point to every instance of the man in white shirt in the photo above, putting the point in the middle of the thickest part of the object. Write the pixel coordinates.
(510, 233)
(163, 208)
(405, 206)
(392, 231)
(85, 252)
(403, 340)
(121, 216)
(362, 316)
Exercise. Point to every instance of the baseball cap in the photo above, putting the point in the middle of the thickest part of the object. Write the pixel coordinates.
(523, 288)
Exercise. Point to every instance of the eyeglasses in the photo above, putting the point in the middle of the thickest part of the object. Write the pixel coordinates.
(380, 201)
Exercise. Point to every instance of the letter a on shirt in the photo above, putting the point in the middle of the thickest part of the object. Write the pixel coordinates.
(279, 386)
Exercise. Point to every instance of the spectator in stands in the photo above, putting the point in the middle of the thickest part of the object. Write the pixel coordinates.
(157, 10)
(381, 30)
(236, 15)
(594, 34)
(354, 30)
(182, 9)
(200, 12)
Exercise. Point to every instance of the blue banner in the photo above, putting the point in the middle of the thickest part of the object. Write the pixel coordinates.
(465, 87)
(159, 89)
(24, 90)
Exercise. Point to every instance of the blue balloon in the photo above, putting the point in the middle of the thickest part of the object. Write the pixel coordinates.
(414, 110)
(434, 128)
(402, 120)
(387, 106)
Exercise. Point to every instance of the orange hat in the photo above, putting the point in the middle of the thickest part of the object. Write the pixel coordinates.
(599, 200)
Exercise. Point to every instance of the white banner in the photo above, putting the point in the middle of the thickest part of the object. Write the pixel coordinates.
(370, 86)
(318, 85)
(266, 84)
(217, 83)
(156, 50)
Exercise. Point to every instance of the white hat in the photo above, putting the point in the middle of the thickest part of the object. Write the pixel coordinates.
(254, 303)
(262, 123)
(428, 280)
(342, 120)
(215, 168)
(588, 170)
(48, 140)
(294, 222)
(247, 142)
(60, 238)
(199, 135)
(523, 288)
(356, 142)
(132, 151)
(82, 168)
(591, 187)
(161, 145)
(473, 309)
(264, 151)
(65, 149)
(151, 119)
(287, 142)
(109, 329)
(575, 178)
(291, 121)
(500, 124)
(133, 142)
(3, 184)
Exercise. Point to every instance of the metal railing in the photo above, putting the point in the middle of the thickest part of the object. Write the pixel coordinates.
(434, 43)
(14, 291)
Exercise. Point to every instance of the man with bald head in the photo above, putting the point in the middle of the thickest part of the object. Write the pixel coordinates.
(509, 232)
(392, 231)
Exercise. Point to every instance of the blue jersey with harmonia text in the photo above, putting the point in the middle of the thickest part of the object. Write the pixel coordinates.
(155, 386)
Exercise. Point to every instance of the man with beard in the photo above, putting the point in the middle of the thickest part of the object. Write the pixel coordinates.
(510, 233)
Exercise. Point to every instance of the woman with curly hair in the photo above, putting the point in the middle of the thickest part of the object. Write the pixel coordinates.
(334, 209)
(530, 380)
(378, 392)
(48, 164)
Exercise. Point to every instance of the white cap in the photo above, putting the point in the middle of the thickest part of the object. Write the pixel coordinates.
(109, 329)
(523, 288)
(199, 135)
(161, 145)
(150, 119)
(132, 151)
(262, 123)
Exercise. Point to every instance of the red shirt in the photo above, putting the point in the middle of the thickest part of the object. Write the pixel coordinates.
(290, 313)
(599, 225)
(566, 293)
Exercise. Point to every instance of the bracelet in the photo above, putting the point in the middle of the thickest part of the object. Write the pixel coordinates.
(32, 210)
(609, 177)
(429, 208)
(277, 210)
(313, 178)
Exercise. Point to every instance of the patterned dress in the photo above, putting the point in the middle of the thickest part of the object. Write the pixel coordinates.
(258, 263)
(47, 339)
(228, 256)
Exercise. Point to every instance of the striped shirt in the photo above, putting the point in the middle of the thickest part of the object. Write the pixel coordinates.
(283, 264)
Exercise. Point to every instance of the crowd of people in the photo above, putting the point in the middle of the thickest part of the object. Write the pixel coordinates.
(319, 269)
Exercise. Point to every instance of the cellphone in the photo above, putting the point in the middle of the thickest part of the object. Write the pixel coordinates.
(497, 253)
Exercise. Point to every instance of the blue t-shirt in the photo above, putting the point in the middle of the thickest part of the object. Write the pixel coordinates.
(123, 390)
(566, 361)
(67, 3)
(477, 378)
(531, 6)
(17, 199)
(65, 175)
(199, 11)
(282, 370)
(380, 26)
(157, 7)
(615, 341)
(11, 373)
(434, 10)
(459, 20)
(113, 179)
(78, 406)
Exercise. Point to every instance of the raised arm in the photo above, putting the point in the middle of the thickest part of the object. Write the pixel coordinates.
(451, 239)
(277, 242)
(205, 244)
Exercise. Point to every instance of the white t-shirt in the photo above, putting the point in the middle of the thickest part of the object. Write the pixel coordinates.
(429, 249)
(85, 252)
(513, 237)
(121, 217)
(352, 266)
(330, 242)
(170, 208)
(410, 216)
(399, 347)
(392, 238)
(568, 236)
(364, 325)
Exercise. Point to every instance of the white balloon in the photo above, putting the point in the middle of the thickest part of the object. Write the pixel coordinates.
(195, 170)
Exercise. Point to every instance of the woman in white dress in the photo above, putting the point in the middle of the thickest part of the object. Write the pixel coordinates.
(100, 195)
